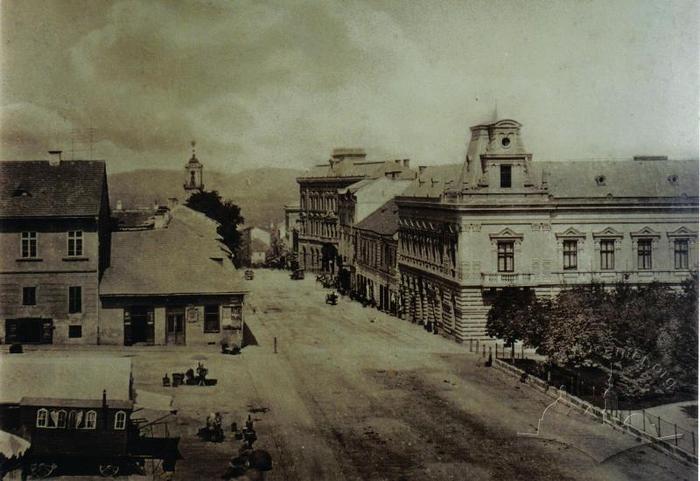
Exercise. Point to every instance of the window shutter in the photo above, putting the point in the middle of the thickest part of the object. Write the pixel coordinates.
(150, 331)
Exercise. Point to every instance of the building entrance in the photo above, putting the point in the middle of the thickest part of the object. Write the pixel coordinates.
(175, 325)
(138, 325)
(29, 330)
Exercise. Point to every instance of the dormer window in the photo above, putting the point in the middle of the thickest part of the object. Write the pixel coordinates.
(673, 179)
(505, 142)
(506, 176)
(600, 180)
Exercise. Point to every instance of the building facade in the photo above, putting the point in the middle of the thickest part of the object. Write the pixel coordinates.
(255, 243)
(174, 285)
(54, 248)
(376, 277)
(319, 233)
(501, 219)
(358, 201)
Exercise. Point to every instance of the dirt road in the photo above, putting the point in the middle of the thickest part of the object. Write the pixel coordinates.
(353, 394)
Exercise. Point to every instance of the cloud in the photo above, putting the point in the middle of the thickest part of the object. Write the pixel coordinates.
(283, 82)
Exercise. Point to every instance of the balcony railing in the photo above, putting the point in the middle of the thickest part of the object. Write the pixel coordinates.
(501, 279)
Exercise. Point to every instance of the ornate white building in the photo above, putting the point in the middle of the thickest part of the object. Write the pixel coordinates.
(501, 219)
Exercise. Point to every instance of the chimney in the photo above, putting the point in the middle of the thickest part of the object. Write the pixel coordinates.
(119, 205)
(55, 158)
(406, 163)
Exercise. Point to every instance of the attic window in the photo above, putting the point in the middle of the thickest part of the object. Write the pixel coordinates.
(673, 179)
(600, 180)
(505, 142)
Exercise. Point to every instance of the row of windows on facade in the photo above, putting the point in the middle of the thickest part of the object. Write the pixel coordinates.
(681, 249)
(74, 419)
(376, 254)
(30, 244)
(320, 228)
(318, 202)
(75, 298)
(428, 248)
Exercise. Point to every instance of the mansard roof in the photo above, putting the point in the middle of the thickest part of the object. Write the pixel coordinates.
(627, 178)
(359, 168)
(35, 188)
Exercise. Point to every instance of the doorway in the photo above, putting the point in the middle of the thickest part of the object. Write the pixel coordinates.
(175, 325)
(29, 330)
(138, 325)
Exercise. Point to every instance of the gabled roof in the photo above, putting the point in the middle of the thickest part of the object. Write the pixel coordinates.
(383, 221)
(185, 257)
(77, 378)
(34, 188)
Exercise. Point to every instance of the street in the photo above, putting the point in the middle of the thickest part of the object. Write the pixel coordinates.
(353, 394)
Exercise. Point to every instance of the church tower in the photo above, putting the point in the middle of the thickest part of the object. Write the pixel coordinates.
(193, 175)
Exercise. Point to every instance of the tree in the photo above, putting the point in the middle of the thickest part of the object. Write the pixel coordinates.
(225, 212)
(510, 315)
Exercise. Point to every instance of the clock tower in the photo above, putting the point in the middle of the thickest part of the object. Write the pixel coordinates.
(193, 174)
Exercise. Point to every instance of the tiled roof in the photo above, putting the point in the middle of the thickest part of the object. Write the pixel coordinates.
(34, 188)
(383, 221)
(183, 258)
(64, 378)
(434, 180)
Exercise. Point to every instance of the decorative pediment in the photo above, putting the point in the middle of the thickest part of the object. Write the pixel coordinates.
(608, 232)
(506, 234)
(645, 232)
(682, 232)
(571, 233)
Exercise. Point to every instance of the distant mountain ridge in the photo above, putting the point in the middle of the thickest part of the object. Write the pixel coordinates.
(261, 193)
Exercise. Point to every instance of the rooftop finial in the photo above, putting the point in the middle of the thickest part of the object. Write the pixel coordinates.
(193, 143)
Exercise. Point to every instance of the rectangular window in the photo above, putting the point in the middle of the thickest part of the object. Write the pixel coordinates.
(75, 331)
(211, 318)
(506, 180)
(644, 254)
(680, 253)
(607, 254)
(75, 243)
(75, 299)
(29, 245)
(505, 256)
(570, 255)
(29, 296)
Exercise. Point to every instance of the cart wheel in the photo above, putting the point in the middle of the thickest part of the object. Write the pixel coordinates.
(109, 470)
(41, 470)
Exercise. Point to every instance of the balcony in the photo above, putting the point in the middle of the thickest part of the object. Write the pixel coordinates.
(506, 279)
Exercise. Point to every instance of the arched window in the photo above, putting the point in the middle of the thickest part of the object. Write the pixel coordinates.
(120, 420)
(74, 419)
(90, 420)
(61, 419)
(42, 418)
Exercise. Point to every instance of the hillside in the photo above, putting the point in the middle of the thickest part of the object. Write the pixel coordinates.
(261, 193)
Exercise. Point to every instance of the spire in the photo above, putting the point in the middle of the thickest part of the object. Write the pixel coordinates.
(193, 143)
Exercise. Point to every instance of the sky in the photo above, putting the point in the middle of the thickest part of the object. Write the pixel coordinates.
(281, 83)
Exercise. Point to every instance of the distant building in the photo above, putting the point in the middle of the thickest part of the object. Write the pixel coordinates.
(355, 203)
(319, 235)
(172, 285)
(54, 248)
(376, 268)
(255, 243)
(194, 171)
(499, 219)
